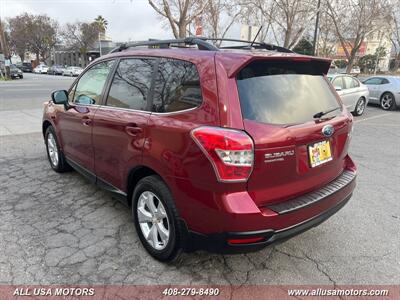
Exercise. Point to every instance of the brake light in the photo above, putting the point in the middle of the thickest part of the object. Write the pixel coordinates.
(231, 152)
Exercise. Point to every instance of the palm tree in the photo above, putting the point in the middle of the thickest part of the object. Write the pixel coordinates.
(102, 23)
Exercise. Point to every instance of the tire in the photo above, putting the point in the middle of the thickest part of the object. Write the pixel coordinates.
(165, 219)
(360, 107)
(21, 76)
(387, 101)
(59, 164)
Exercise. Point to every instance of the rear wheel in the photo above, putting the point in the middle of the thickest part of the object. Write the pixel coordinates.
(387, 101)
(156, 219)
(56, 158)
(360, 107)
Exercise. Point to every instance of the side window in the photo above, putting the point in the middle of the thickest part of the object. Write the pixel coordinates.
(373, 81)
(384, 81)
(131, 84)
(356, 83)
(177, 86)
(338, 82)
(90, 85)
(348, 82)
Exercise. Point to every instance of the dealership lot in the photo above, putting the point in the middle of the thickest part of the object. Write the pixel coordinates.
(58, 228)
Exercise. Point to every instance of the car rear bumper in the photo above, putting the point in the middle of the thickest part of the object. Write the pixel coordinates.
(243, 231)
(220, 242)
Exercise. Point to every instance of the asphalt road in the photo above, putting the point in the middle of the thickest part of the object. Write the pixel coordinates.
(31, 91)
(58, 228)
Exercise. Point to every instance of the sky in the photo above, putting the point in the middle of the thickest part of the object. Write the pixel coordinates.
(127, 19)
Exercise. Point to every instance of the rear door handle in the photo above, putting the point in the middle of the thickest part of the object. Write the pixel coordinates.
(133, 130)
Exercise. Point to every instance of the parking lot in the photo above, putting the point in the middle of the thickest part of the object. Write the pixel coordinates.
(58, 228)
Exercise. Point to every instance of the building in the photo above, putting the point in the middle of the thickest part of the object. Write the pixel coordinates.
(65, 56)
(379, 38)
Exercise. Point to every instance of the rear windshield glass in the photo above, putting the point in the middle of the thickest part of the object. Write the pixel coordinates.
(284, 92)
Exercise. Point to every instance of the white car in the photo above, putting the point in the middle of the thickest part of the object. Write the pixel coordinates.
(41, 69)
(354, 94)
(72, 71)
(355, 70)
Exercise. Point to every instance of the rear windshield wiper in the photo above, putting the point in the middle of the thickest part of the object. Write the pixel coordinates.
(323, 113)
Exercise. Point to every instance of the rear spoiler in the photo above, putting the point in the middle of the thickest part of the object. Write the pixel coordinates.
(233, 63)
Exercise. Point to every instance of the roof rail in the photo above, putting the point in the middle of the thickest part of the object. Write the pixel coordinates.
(202, 44)
(251, 44)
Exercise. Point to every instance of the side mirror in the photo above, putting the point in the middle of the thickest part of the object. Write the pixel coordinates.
(60, 97)
(338, 88)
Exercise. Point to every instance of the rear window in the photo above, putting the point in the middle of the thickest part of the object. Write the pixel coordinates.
(284, 92)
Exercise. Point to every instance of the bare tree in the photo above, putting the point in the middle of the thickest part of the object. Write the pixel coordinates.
(179, 13)
(396, 36)
(288, 19)
(219, 16)
(81, 36)
(353, 21)
(327, 38)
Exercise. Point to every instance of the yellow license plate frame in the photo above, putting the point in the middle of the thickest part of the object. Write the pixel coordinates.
(319, 153)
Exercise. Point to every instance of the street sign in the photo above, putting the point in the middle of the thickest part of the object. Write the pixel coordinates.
(248, 33)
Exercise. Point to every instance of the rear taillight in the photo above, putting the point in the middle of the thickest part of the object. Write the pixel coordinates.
(231, 152)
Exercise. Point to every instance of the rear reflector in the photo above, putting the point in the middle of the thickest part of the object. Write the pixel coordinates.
(231, 152)
(246, 240)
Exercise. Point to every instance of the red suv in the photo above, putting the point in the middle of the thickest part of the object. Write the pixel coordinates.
(225, 149)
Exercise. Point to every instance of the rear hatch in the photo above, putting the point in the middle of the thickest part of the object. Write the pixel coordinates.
(295, 150)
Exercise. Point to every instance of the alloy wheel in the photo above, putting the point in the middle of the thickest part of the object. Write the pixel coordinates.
(52, 149)
(360, 107)
(387, 101)
(153, 220)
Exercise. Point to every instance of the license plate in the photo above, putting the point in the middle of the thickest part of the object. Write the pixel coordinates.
(319, 153)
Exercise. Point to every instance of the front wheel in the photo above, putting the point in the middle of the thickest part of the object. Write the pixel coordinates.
(156, 219)
(56, 158)
(387, 101)
(360, 107)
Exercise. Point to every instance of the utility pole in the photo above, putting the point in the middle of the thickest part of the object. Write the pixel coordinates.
(100, 43)
(316, 29)
(4, 47)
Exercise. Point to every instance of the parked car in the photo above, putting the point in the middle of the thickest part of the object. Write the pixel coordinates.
(355, 70)
(41, 69)
(26, 67)
(56, 70)
(72, 71)
(227, 150)
(15, 72)
(384, 90)
(354, 94)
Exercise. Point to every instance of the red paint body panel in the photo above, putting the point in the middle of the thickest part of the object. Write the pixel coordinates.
(163, 143)
(76, 134)
(118, 140)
